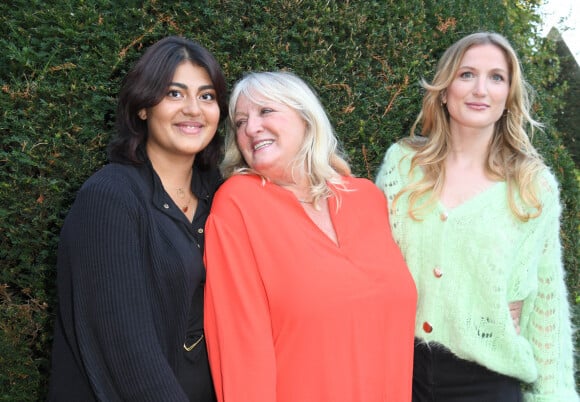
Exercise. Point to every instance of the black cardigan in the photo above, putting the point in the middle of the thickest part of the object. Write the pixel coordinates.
(129, 266)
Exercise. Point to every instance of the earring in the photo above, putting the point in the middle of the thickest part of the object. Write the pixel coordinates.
(142, 114)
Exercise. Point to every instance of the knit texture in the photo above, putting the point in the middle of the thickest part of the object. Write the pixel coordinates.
(129, 266)
(470, 262)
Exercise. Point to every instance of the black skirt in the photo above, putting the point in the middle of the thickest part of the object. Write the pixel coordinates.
(440, 376)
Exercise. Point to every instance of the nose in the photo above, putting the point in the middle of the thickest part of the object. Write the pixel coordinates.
(253, 125)
(480, 87)
(191, 106)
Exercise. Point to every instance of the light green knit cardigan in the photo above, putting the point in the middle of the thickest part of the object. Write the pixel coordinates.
(470, 262)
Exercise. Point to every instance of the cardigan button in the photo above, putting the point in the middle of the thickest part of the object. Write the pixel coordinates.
(427, 327)
(437, 272)
(200, 230)
(443, 216)
(166, 206)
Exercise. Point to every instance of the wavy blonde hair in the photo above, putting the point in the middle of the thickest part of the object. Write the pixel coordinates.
(320, 152)
(511, 156)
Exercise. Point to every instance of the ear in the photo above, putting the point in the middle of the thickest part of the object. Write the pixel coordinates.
(142, 114)
(443, 97)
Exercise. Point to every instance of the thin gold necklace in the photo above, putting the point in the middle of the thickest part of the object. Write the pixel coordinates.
(181, 194)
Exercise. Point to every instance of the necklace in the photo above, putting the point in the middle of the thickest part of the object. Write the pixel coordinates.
(305, 201)
(181, 194)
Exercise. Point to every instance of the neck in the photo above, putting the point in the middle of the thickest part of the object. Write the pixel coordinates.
(174, 173)
(470, 150)
(300, 190)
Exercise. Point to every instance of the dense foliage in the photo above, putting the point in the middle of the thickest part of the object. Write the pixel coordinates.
(568, 118)
(61, 62)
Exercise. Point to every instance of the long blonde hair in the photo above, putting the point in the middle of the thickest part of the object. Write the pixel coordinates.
(511, 155)
(320, 152)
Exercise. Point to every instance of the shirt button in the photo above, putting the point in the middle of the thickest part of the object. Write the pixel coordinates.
(443, 216)
(437, 272)
(200, 230)
(427, 327)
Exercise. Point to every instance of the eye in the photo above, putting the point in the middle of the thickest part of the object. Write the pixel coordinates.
(266, 110)
(239, 123)
(466, 75)
(208, 96)
(497, 77)
(174, 93)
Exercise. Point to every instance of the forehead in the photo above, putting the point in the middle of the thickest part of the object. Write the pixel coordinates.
(487, 56)
(248, 99)
(189, 72)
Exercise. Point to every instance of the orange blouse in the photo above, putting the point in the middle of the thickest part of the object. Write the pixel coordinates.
(291, 316)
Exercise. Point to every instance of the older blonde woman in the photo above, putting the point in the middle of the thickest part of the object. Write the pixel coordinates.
(308, 297)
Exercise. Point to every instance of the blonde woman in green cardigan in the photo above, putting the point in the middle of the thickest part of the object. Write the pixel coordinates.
(476, 213)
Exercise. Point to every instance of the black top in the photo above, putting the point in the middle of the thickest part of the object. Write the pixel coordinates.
(129, 266)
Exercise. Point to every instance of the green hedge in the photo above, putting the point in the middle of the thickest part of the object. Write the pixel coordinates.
(61, 63)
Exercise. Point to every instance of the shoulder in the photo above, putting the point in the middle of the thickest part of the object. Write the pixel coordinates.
(112, 174)
(207, 181)
(548, 190)
(547, 182)
(359, 188)
(115, 191)
(241, 182)
(401, 149)
(398, 152)
(397, 160)
(242, 196)
(242, 187)
(359, 184)
(115, 181)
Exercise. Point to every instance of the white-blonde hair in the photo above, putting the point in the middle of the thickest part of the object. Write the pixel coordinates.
(320, 153)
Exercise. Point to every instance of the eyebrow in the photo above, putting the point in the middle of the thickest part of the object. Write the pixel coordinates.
(468, 67)
(183, 86)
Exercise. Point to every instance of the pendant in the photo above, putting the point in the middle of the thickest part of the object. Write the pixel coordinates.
(185, 208)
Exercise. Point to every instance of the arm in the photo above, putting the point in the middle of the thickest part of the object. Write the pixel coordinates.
(393, 173)
(112, 298)
(237, 318)
(386, 169)
(549, 328)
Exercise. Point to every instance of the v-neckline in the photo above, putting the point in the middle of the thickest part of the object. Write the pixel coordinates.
(470, 200)
(331, 205)
(330, 201)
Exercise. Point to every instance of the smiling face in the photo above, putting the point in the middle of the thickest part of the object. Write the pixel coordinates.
(269, 136)
(187, 118)
(477, 96)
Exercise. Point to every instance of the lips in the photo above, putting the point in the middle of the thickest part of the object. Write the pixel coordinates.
(190, 127)
(477, 105)
(262, 144)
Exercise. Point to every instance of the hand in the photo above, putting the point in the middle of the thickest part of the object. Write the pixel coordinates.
(516, 312)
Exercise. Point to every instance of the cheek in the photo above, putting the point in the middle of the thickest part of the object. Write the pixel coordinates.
(501, 97)
(213, 113)
(242, 145)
